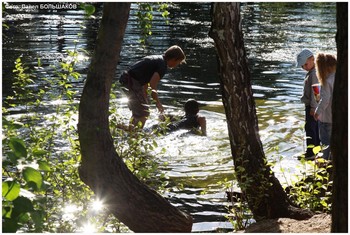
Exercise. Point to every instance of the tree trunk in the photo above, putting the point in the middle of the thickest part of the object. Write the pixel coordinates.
(339, 144)
(265, 195)
(133, 203)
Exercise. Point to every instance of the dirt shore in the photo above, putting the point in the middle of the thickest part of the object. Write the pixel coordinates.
(320, 223)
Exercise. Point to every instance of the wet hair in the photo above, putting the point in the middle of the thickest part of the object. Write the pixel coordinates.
(325, 65)
(191, 107)
(175, 52)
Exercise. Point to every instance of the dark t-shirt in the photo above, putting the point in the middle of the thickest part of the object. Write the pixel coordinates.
(186, 122)
(144, 69)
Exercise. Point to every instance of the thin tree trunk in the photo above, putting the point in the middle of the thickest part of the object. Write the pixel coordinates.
(133, 203)
(339, 144)
(265, 195)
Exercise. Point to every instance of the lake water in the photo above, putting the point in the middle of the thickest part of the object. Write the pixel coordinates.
(274, 33)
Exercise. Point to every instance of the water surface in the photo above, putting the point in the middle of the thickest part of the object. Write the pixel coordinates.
(274, 33)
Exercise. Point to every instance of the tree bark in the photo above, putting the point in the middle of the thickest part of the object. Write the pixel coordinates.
(339, 141)
(265, 195)
(133, 203)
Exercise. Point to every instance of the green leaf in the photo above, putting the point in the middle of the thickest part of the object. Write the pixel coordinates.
(5, 26)
(18, 147)
(6, 212)
(9, 226)
(39, 152)
(23, 218)
(323, 203)
(10, 190)
(75, 75)
(22, 205)
(38, 218)
(240, 169)
(165, 14)
(32, 175)
(89, 9)
(44, 166)
(316, 149)
(13, 157)
(11, 125)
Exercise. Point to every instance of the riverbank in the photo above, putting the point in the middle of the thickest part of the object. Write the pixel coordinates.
(320, 223)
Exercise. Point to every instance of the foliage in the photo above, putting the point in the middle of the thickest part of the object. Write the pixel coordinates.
(313, 189)
(39, 175)
(41, 154)
(240, 210)
(41, 150)
(4, 13)
(136, 148)
(255, 185)
(145, 17)
(88, 8)
(239, 214)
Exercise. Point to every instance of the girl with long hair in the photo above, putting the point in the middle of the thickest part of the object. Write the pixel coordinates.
(325, 68)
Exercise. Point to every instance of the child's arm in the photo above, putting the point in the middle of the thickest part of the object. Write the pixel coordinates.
(153, 84)
(203, 124)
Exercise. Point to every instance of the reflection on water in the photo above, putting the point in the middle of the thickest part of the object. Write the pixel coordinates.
(273, 32)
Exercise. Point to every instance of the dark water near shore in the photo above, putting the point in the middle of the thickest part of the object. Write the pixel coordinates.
(274, 33)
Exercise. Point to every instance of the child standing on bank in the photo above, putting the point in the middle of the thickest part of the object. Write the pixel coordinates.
(326, 67)
(144, 73)
(306, 60)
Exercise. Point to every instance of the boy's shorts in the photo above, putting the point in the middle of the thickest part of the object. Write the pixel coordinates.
(137, 103)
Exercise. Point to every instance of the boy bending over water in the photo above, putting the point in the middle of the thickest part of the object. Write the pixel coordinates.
(148, 72)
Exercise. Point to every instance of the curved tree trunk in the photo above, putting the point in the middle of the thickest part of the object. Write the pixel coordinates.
(339, 140)
(265, 195)
(133, 203)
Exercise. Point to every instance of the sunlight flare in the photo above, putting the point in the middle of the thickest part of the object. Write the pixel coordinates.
(89, 228)
(97, 205)
(68, 212)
